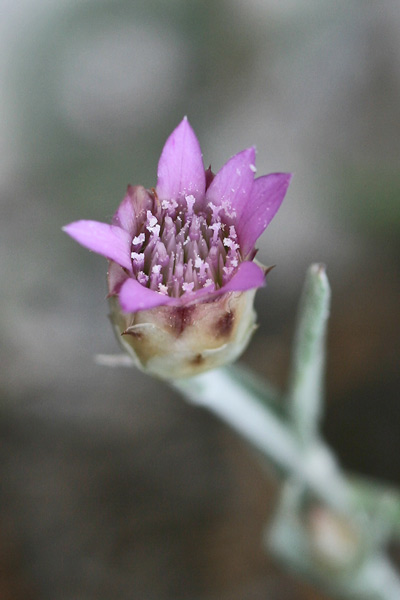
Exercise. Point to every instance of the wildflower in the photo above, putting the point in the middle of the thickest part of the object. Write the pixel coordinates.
(181, 274)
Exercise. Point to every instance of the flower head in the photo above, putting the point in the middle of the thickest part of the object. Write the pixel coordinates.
(187, 247)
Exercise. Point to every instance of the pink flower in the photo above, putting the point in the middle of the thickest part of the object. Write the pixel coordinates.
(191, 240)
(193, 236)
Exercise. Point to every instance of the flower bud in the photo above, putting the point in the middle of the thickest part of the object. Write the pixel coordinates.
(181, 275)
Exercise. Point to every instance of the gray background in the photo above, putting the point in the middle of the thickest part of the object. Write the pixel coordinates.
(110, 486)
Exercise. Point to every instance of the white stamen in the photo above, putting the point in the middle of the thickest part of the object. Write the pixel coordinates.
(137, 256)
(230, 244)
(155, 230)
(188, 287)
(169, 204)
(156, 269)
(198, 262)
(208, 282)
(226, 205)
(163, 289)
(190, 200)
(215, 227)
(232, 232)
(139, 239)
(142, 278)
(215, 210)
(151, 219)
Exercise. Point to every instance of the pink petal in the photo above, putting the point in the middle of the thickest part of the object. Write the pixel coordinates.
(265, 199)
(134, 297)
(203, 294)
(125, 215)
(135, 204)
(180, 168)
(233, 183)
(248, 276)
(108, 240)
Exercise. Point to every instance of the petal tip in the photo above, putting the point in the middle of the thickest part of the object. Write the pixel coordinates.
(250, 275)
(251, 152)
(184, 124)
(180, 168)
(286, 177)
(71, 229)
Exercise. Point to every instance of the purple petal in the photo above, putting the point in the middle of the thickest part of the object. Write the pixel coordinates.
(180, 168)
(248, 276)
(125, 215)
(233, 183)
(134, 297)
(108, 240)
(265, 199)
(203, 294)
(134, 205)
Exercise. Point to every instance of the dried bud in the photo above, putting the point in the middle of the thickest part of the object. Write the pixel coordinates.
(335, 540)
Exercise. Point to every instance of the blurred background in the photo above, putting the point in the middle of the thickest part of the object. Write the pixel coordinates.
(110, 486)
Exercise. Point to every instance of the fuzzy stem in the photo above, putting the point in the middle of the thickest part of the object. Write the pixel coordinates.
(318, 476)
(223, 392)
(328, 527)
(305, 393)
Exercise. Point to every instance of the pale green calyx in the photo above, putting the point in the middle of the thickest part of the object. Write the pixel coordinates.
(181, 341)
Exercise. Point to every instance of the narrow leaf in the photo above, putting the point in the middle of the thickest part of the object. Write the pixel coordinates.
(305, 394)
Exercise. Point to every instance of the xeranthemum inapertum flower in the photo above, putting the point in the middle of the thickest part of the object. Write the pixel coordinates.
(186, 247)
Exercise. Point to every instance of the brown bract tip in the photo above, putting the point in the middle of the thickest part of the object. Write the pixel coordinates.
(130, 331)
(268, 269)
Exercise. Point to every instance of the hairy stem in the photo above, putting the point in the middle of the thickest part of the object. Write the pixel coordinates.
(328, 527)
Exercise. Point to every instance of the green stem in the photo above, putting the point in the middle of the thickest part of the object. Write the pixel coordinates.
(224, 393)
(305, 393)
(328, 527)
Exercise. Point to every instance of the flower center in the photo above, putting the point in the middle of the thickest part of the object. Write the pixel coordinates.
(179, 249)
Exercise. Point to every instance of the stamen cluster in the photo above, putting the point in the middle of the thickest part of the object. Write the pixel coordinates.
(180, 248)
